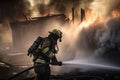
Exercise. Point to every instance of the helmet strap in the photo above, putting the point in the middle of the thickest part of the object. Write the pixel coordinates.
(57, 47)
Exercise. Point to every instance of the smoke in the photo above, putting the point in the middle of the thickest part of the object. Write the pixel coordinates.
(14, 10)
(11, 11)
(46, 7)
(5, 36)
(110, 41)
(104, 7)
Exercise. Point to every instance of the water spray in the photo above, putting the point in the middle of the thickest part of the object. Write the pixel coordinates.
(83, 65)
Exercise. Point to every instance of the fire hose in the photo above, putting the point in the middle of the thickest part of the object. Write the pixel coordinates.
(68, 63)
(16, 75)
(81, 76)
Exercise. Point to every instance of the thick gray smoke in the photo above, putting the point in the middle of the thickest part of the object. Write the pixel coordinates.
(109, 46)
(14, 9)
(102, 40)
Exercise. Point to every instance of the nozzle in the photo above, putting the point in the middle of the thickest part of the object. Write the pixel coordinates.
(60, 63)
(56, 63)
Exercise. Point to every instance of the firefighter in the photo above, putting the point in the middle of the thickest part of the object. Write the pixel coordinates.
(45, 53)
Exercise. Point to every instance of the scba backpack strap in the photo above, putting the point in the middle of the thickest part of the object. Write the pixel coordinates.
(34, 46)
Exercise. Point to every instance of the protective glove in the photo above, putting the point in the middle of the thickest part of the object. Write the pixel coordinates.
(60, 63)
(29, 54)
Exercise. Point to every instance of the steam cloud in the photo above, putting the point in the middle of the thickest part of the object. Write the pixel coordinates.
(109, 46)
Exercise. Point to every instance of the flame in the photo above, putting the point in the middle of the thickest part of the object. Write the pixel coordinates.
(91, 18)
(35, 12)
(115, 14)
(70, 16)
(88, 14)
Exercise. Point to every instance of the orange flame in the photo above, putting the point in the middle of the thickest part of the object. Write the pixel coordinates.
(70, 16)
(115, 13)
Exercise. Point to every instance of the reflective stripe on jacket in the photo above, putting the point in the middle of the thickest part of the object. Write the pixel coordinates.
(40, 60)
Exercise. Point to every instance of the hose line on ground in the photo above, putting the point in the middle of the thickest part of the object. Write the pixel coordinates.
(16, 75)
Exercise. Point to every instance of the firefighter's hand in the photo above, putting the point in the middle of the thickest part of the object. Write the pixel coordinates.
(29, 54)
(60, 63)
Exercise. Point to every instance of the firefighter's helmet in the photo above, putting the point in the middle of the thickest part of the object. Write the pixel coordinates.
(57, 32)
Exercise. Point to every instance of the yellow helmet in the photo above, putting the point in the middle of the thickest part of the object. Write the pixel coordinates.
(57, 32)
